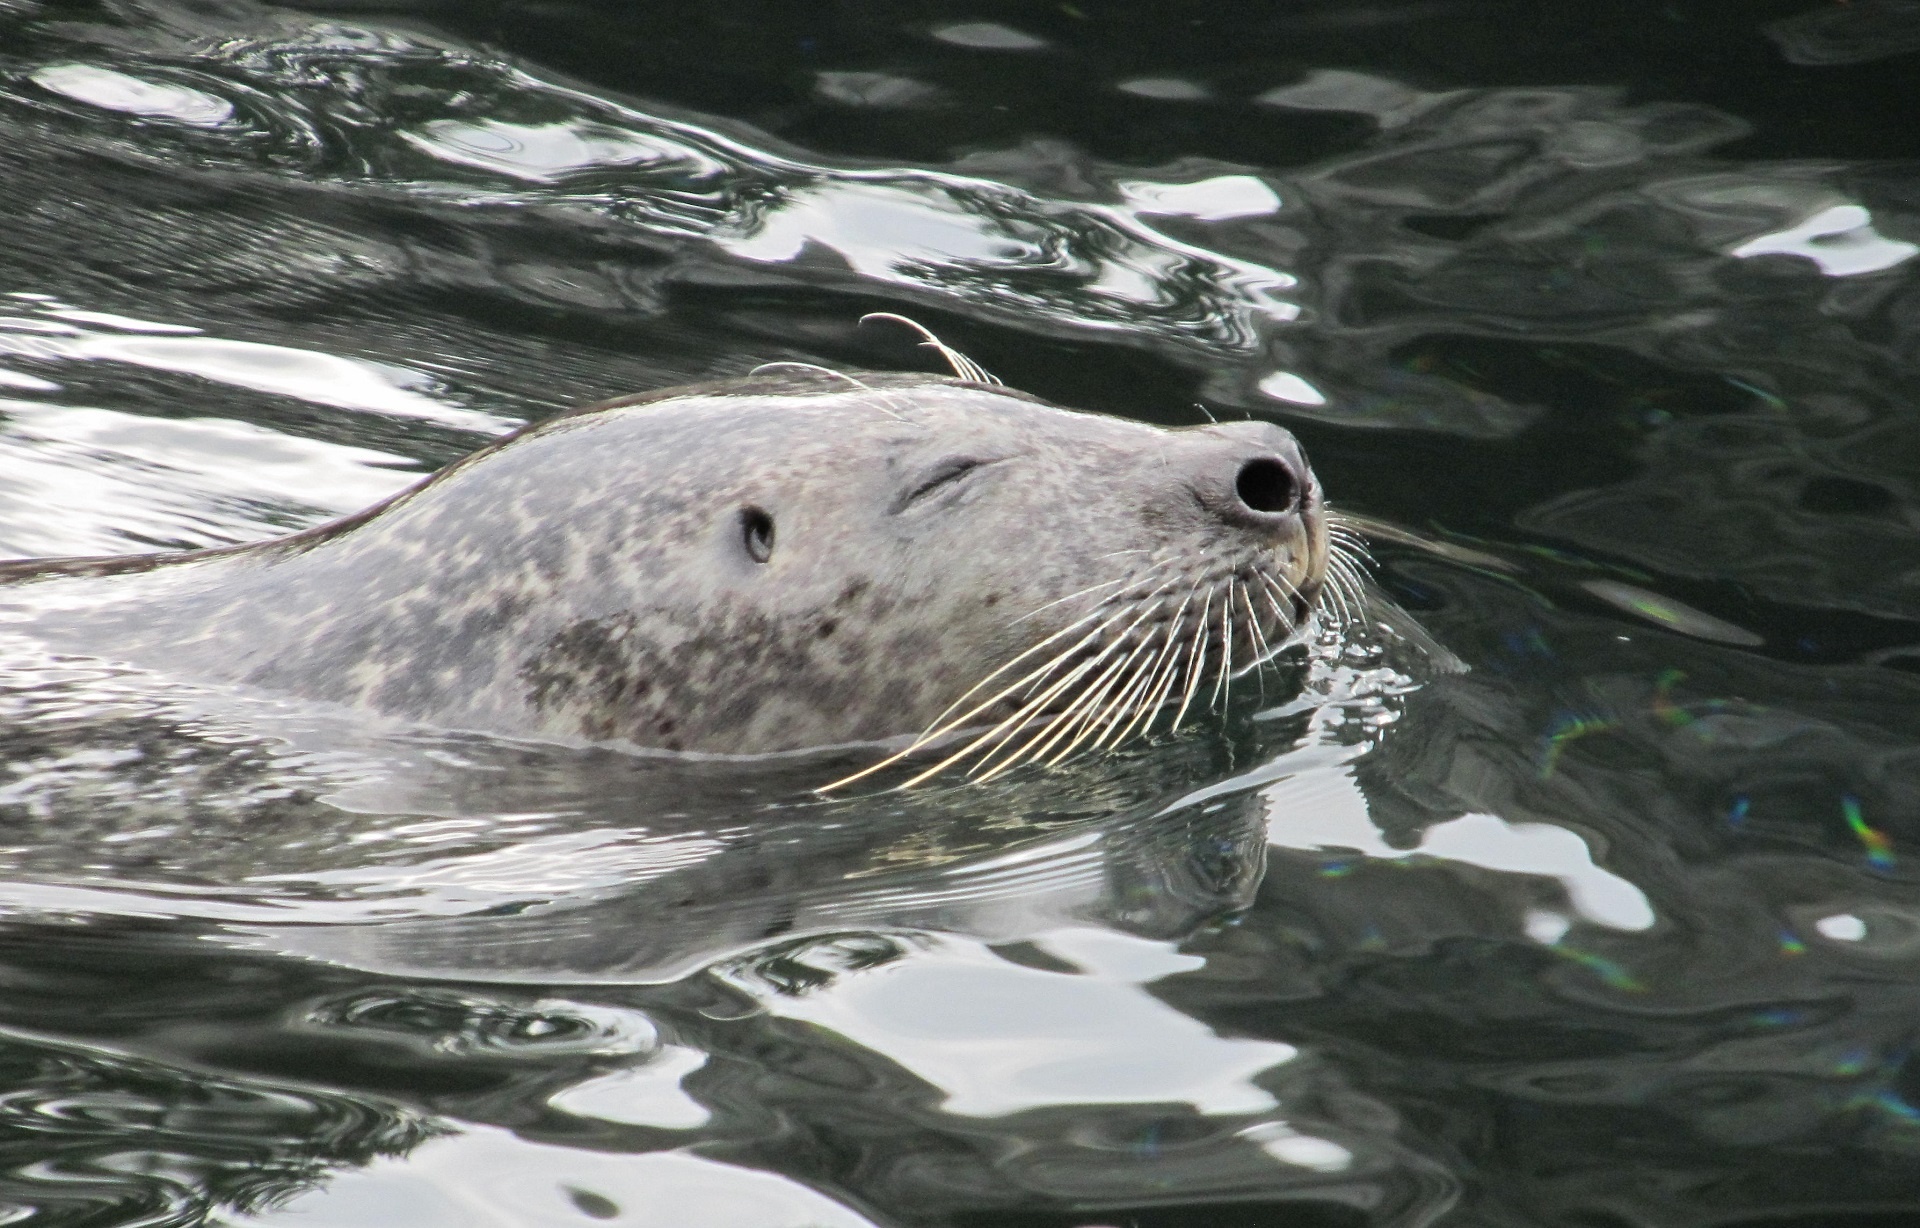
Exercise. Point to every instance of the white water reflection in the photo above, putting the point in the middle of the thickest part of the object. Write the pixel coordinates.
(26, 383)
(53, 334)
(306, 375)
(885, 232)
(1291, 388)
(1840, 239)
(1664, 611)
(999, 1037)
(74, 480)
(1842, 927)
(116, 91)
(545, 153)
(988, 36)
(649, 1094)
(1325, 811)
(1337, 89)
(1218, 199)
(488, 1178)
(882, 91)
(1165, 89)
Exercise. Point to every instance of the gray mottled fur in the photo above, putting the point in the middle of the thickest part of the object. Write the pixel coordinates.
(588, 578)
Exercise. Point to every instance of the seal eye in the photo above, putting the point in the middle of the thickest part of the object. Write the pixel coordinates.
(756, 533)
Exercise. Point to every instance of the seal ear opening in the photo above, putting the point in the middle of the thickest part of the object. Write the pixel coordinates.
(756, 533)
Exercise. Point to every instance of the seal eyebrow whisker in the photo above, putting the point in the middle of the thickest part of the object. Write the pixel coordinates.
(963, 366)
(816, 367)
(794, 365)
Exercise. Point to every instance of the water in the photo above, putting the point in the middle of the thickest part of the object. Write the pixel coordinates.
(1606, 313)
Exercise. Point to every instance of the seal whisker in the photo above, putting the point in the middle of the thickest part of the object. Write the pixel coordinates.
(1289, 602)
(1279, 589)
(1196, 660)
(1259, 637)
(1031, 708)
(1166, 666)
(1275, 594)
(964, 367)
(934, 729)
(1081, 709)
(1337, 590)
(1349, 587)
(1078, 705)
(1351, 545)
(1273, 603)
(1353, 562)
(1222, 688)
(1126, 703)
(1347, 531)
(1091, 588)
(1120, 708)
(942, 725)
(1033, 678)
(1157, 690)
(1158, 698)
(1082, 713)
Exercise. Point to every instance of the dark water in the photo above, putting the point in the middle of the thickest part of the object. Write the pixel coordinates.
(1610, 311)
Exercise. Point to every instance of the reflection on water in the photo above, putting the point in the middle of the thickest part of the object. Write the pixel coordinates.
(1610, 920)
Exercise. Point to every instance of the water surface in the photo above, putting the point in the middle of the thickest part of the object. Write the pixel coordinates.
(1607, 314)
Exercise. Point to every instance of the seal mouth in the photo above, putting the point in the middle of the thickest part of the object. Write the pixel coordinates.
(1160, 638)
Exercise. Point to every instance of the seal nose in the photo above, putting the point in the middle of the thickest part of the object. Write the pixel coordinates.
(1250, 475)
(1267, 486)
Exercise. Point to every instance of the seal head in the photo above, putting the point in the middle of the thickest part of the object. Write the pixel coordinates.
(761, 565)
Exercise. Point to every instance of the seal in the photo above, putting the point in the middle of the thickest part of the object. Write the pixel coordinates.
(796, 559)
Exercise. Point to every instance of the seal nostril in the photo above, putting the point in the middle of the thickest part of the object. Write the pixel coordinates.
(1266, 485)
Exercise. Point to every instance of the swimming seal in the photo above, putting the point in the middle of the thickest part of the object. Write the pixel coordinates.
(795, 559)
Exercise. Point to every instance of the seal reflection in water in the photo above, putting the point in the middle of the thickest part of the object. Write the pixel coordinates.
(795, 559)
